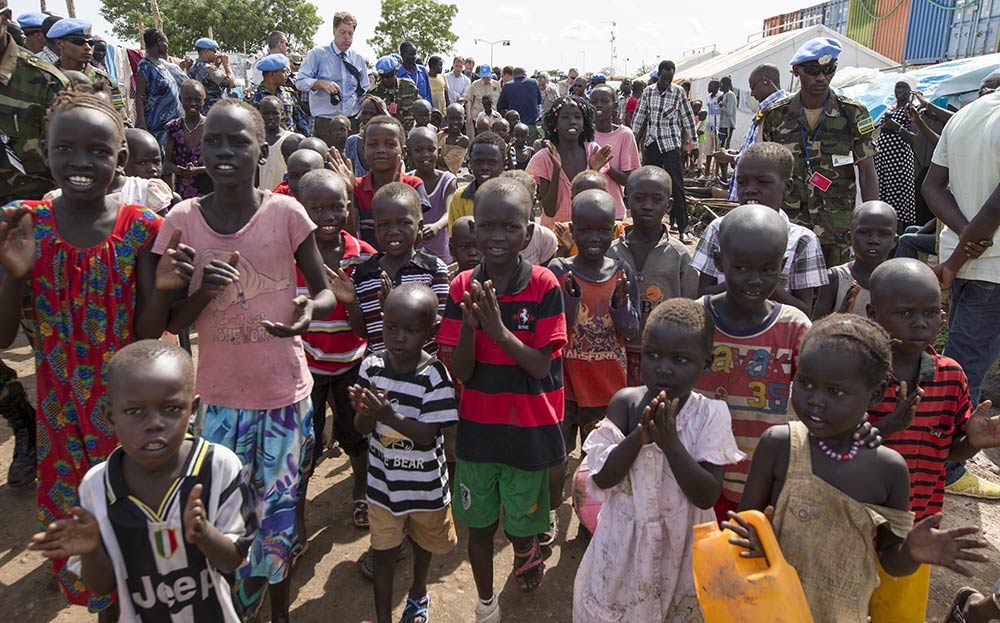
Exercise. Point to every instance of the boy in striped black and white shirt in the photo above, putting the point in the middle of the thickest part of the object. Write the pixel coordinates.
(403, 398)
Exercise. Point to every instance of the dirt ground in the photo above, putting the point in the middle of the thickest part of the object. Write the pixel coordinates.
(326, 579)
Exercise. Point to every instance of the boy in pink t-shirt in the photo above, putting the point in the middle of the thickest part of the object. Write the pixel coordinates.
(624, 150)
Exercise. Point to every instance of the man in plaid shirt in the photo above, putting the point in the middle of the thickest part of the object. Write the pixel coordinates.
(765, 172)
(667, 109)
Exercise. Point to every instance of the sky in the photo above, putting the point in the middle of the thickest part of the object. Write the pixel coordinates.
(558, 33)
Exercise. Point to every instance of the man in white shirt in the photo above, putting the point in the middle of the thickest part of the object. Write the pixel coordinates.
(458, 82)
(486, 85)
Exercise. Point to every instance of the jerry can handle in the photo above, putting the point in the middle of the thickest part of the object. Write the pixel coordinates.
(765, 534)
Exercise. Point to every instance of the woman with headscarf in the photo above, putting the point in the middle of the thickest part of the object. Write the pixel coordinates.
(157, 94)
(894, 160)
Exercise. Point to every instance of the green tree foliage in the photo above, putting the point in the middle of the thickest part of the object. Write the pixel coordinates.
(425, 23)
(237, 25)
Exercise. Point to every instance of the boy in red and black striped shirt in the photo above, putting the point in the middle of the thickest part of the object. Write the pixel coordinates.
(926, 414)
(505, 320)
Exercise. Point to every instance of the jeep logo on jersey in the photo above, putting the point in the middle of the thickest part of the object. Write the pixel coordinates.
(173, 591)
(166, 542)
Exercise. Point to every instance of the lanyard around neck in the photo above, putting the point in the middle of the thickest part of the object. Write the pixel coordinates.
(807, 144)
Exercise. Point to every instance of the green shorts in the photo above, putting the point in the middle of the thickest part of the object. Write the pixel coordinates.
(482, 488)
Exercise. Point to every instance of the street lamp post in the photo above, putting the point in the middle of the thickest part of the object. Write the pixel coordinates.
(503, 42)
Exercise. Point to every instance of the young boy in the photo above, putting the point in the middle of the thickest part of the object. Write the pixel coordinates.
(463, 246)
(513, 118)
(542, 243)
(661, 264)
(403, 399)
(764, 176)
(272, 171)
(385, 149)
(452, 139)
(167, 564)
(601, 299)
(333, 351)
(520, 150)
(756, 339)
(625, 152)
(440, 185)
(422, 115)
(926, 414)
(501, 128)
(873, 236)
(300, 162)
(487, 155)
(505, 321)
(398, 221)
(340, 129)
(699, 154)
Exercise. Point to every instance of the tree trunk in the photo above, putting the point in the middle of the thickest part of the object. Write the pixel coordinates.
(154, 8)
(71, 8)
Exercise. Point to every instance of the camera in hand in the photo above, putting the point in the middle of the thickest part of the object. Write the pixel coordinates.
(335, 99)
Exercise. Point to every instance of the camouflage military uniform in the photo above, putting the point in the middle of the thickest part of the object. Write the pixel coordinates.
(99, 75)
(27, 87)
(203, 72)
(403, 96)
(843, 139)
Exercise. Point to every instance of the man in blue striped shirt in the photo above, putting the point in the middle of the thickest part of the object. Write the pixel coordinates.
(765, 87)
(335, 77)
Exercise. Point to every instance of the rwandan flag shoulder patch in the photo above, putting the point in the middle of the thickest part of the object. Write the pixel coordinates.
(866, 125)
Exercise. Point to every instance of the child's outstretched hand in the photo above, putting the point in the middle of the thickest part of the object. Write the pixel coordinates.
(619, 298)
(563, 234)
(746, 534)
(906, 408)
(342, 167)
(195, 519)
(944, 548)
(488, 309)
(73, 536)
(218, 275)
(376, 403)
(385, 287)
(554, 156)
(571, 286)
(17, 243)
(355, 395)
(982, 430)
(176, 266)
(341, 285)
(300, 321)
(599, 158)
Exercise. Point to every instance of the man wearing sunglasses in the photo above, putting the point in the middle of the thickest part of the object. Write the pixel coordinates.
(830, 135)
(76, 48)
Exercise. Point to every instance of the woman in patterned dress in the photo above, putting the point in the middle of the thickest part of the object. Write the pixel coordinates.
(894, 160)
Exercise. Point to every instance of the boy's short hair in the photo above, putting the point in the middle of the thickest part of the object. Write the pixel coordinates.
(652, 172)
(503, 187)
(523, 177)
(778, 155)
(256, 121)
(138, 355)
(342, 118)
(397, 191)
(489, 138)
(318, 178)
(270, 99)
(854, 334)
(385, 120)
(686, 313)
(897, 271)
(343, 17)
(588, 175)
(435, 59)
(667, 66)
(419, 296)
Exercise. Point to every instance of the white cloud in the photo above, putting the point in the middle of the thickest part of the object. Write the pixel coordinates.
(582, 30)
(508, 11)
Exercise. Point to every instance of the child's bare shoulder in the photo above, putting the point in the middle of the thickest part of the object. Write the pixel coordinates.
(625, 406)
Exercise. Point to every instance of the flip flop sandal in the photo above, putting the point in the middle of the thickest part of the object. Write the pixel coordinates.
(361, 514)
(299, 551)
(532, 559)
(416, 610)
(955, 611)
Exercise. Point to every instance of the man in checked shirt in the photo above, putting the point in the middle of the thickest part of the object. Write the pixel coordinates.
(665, 106)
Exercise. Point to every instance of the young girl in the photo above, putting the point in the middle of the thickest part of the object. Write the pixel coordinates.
(569, 149)
(831, 498)
(183, 150)
(370, 106)
(520, 152)
(440, 188)
(84, 260)
(452, 141)
(624, 151)
(237, 264)
(656, 463)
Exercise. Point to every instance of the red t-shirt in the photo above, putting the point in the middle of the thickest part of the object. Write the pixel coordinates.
(282, 189)
(632, 104)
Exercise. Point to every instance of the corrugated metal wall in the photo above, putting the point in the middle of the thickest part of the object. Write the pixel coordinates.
(927, 32)
(890, 30)
(835, 15)
(861, 23)
(974, 29)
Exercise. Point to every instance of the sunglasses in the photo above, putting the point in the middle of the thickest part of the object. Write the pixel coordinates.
(81, 41)
(817, 69)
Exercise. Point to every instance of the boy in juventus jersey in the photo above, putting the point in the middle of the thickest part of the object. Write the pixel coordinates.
(177, 505)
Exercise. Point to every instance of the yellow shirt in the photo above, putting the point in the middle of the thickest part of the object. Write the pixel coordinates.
(438, 86)
(461, 204)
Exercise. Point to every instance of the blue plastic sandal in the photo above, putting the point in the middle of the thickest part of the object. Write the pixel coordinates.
(416, 611)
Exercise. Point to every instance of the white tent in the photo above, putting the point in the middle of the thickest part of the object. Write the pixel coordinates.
(776, 50)
(694, 57)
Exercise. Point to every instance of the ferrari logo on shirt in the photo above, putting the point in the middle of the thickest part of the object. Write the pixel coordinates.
(523, 319)
(166, 542)
(866, 125)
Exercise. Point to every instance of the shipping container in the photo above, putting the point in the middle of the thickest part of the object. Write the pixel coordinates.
(974, 29)
(812, 15)
(891, 19)
(861, 22)
(928, 30)
(772, 26)
(835, 15)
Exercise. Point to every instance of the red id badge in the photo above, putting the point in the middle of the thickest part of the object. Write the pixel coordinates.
(820, 181)
(392, 111)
